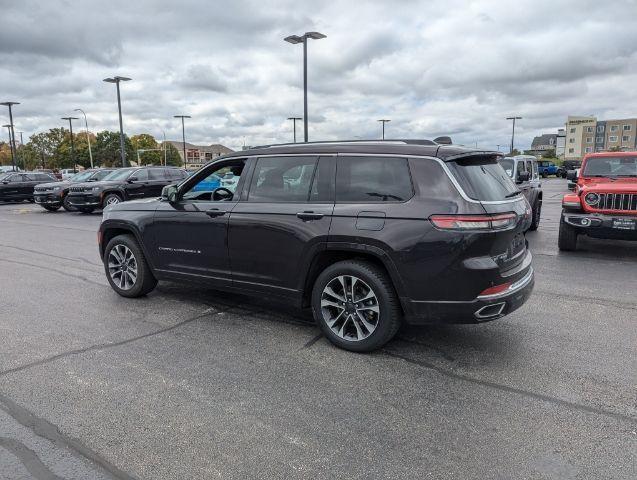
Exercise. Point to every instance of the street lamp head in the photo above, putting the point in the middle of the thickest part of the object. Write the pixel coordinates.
(514, 118)
(69, 118)
(314, 35)
(116, 79)
(294, 39)
(384, 120)
(182, 116)
(7, 126)
(295, 118)
(8, 104)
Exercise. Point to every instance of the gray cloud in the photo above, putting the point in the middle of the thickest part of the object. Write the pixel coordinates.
(432, 67)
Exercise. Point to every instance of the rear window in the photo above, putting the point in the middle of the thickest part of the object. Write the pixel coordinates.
(483, 178)
(507, 164)
(373, 180)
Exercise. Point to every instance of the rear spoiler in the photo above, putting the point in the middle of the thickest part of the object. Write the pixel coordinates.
(486, 154)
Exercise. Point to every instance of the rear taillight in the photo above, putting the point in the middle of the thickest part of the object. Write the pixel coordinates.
(501, 221)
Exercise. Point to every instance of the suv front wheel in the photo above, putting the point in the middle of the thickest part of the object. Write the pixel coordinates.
(356, 306)
(567, 238)
(126, 268)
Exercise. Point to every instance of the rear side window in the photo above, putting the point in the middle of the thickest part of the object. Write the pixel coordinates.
(282, 179)
(373, 180)
(156, 174)
(483, 178)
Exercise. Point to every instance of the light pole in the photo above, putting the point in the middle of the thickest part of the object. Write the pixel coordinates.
(513, 131)
(116, 81)
(183, 134)
(88, 138)
(164, 147)
(294, 39)
(11, 132)
(70, 119)
(294, 119)
(384, 121)
(498, 147)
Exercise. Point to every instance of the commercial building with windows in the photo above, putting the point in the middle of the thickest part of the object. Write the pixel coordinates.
(587, 135)
(198, 155)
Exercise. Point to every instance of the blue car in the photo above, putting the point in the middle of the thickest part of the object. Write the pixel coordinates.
(208, 184)
(546, 168)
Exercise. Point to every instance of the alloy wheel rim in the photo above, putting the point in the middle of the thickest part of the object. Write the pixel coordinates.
(122, 267)
(112, 201)
(350, 308)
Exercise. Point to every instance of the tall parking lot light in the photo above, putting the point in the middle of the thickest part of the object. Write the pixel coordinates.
(8, 127)
(513, 131)
(70, 119)
(294, 39)
(183, 134)
(88, 138)
(11, 132)
(384, 121)
(294, 119)
(116, 81)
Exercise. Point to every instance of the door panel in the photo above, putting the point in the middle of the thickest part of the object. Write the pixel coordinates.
(271, 243)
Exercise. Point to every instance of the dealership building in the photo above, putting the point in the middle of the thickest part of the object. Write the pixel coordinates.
(198, 155)
(587, 135)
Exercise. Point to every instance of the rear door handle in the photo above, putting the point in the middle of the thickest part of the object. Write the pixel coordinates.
(309, 215)
(215, 212)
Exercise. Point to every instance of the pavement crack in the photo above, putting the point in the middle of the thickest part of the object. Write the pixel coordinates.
(54, 270)
(508, 389)
(29, 459)
(313, 341)
(45, 429)
(105, 346)
(594, 300)
(47, 254)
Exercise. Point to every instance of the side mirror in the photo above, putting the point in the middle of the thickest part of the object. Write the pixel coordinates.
(572, 175)
(169, 193)
(523, 177)
(132, 179)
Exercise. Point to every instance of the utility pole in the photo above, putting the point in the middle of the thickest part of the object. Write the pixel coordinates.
(294, 119)
(88, 138)
(116, 81)
(183, 134)
(11, 132)
(513, 131)
(384, 121)
(70, 119)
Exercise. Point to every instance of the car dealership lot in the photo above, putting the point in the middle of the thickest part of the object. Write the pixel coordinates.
(191, 383)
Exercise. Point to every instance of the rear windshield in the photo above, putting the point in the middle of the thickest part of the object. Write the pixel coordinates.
(483, 178)
(620, 166)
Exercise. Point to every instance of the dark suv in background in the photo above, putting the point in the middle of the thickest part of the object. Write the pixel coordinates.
(18, 186)
(52, 196)
(122, 185)
(366, 233)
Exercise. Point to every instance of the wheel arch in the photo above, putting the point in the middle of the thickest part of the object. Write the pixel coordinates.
(112, 228)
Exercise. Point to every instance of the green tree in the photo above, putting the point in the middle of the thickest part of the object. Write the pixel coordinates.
(50, 146)
(145, 141)
(5, 153)
(549, 153)
(106, 150)
(172, 155)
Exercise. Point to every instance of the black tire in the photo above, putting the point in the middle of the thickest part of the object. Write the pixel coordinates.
(544, 174)
(537, 213)
(86, 209)
(50, 208)
(67, 206)
(144, 282)
(388, 318)
(567, 239)
(111, 199)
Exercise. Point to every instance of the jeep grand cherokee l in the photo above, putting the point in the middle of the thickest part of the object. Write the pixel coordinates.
(18, 186)
(122, 185)
(52, 196)
(604, 204)
(367, 234)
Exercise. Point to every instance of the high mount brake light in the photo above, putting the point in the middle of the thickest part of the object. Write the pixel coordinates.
(500, 221)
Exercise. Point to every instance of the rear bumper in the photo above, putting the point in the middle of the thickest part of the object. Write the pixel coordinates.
(482, 309)
(598, 225)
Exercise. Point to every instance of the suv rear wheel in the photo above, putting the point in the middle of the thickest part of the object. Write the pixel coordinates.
(355, 305)
(126, 268)
(537, 212)
(567, 239)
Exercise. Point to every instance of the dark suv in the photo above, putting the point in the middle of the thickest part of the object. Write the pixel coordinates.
(122, 185)
(52, 196)
(366, 233)
(18, 186)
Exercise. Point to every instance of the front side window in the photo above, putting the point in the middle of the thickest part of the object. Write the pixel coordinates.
(214, 186)
(373, 180)
(120, 174)
(282, 179)
(140, 175)
(100, 175)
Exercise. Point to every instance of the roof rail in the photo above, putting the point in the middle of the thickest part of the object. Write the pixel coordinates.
(357, 142)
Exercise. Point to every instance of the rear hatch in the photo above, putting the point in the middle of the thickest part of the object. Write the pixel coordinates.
(483, 180)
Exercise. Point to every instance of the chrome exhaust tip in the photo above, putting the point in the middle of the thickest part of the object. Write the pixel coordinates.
(490, 311)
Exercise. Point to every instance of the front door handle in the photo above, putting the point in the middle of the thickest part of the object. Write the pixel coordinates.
(309, 215)
(215, 212)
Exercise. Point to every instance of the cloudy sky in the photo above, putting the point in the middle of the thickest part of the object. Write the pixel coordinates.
(432, 67)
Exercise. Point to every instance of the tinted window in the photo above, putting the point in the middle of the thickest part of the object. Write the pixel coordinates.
(611, 166)
(282, 179)
(176, 174)
(373, 179)
(157, 174)
(507, 164)
(120, 174)
(482, 178)
(323, 184)
(16, 178)
(100, 175)
(224, 176)
(521, 166)
(141, 175)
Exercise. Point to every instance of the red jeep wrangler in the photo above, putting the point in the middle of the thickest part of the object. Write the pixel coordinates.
(604, 203)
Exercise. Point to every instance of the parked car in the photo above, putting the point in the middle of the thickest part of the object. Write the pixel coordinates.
(407, 231)
(17, 187)
(67, 173)
(604, 204)
(567, 166)
(9, 168)
(524, 170)
(546, 168)
(122, 185)
(52, 196)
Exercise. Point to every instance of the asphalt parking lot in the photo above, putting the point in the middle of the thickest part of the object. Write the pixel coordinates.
(190, 383)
